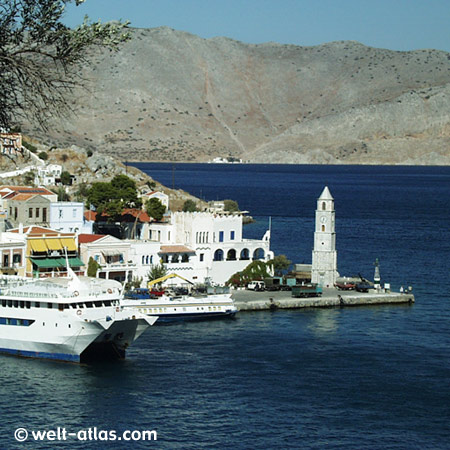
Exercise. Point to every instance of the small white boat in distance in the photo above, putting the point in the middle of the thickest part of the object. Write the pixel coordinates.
(75, 319)
(171, 306)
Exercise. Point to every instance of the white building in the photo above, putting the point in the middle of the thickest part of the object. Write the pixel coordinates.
(112, 254)
(47, 175)
(324, 256)
(68, 217)
(201, 245)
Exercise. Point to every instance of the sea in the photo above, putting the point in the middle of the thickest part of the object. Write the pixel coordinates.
(373, 377)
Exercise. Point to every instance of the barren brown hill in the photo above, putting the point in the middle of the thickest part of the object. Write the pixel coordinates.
(170, 95)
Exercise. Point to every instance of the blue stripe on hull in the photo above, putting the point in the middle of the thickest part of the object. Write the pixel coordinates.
(41, 355)
(191, 316)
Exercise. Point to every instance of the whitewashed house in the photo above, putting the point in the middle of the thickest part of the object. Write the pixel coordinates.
(68, 217)
(47, 175)
(112, 254)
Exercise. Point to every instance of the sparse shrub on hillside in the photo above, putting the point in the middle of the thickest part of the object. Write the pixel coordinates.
(43, 156)
(29, 146)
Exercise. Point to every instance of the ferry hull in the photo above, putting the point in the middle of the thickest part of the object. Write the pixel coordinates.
(170, 318)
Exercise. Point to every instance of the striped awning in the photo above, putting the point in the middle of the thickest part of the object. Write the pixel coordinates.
(38, 245)
(53, 244)
(175, 249)
(69, 243)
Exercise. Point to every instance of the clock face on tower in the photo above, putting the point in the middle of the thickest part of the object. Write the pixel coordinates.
(323, 219)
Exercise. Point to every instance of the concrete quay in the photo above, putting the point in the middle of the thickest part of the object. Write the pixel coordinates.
(267, 300)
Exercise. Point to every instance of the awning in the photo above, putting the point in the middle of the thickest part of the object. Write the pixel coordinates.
(73, 262)
(175, 249)
(38, 245)
(53, 244)
(46, 263)
(69, 243)
(111, 252)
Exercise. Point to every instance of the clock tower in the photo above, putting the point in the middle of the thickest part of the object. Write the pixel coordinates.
(324, 256)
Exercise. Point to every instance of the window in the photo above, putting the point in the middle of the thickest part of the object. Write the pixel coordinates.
(60, 213)
(17, 258)
(220, 236)
(37, 213)
(30, 213)
(202, 256)
(74, 213)
(232, 235)
(324, 206)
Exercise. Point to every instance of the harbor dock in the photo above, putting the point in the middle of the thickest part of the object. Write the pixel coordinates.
(246, 300)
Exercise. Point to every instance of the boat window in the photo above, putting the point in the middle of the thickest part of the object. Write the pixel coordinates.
(10, 303)
(80, 305)
(28, 305)
(37, 304)
(49, 305)
(16, 303)
(107, 302)
(3, 302)
(73, 305)
(98, 304)
(89, 305)
(60, 307)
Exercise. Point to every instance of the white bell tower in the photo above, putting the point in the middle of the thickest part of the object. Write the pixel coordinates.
(324, 256)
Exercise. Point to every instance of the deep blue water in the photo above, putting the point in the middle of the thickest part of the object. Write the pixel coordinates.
(352, 378)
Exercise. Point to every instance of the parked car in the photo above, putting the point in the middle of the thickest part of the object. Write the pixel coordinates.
(256, 286)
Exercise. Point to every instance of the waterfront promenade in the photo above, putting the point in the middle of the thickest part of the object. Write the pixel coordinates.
(246, 300)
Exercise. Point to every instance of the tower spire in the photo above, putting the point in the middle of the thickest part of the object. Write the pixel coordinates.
(324, 256)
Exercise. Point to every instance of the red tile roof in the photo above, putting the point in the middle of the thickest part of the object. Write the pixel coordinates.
(35, 230)
(140, 214)
(90, 215)
(86, 238)
(28, 190)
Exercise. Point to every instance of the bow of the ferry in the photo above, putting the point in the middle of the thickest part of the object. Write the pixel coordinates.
(116, 333)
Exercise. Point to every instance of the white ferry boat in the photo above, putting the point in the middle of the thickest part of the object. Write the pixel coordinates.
(72, 319)
(170, 307)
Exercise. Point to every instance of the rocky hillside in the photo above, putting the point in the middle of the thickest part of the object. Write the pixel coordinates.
(170, 95)
(86, 169)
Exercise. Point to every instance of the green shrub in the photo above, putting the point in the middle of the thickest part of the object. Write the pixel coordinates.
(189, 206)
